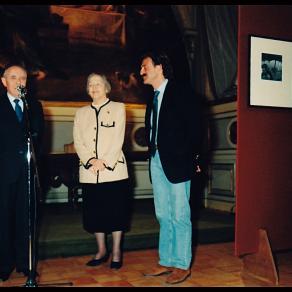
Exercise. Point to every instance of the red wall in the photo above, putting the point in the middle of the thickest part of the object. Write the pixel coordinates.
(264, 143)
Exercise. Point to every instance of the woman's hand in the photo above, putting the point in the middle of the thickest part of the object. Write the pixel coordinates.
(97, 165)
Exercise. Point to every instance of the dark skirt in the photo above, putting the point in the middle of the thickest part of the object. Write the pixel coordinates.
(106, 206)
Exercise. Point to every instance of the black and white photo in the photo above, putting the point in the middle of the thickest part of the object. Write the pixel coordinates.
(270, 72)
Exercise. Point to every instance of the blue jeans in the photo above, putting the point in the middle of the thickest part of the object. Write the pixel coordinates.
(172, 210)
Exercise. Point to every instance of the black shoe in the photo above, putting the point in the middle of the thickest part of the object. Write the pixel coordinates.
(4, 276)
(97, 262)
(116, 265)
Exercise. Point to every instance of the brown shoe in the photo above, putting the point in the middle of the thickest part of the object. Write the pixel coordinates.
(157, 271)
(178, 276)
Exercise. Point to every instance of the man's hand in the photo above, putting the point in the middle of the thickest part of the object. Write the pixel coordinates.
(198, 169)
(197, 164)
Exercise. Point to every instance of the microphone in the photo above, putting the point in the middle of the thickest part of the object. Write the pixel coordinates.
(21, 91)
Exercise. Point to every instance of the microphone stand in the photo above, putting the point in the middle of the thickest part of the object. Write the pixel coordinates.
(31, 157)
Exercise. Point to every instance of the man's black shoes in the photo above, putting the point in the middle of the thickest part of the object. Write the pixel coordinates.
(25, 272)
(4, 276)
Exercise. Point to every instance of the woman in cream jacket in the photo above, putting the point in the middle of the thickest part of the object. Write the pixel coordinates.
(98, 132)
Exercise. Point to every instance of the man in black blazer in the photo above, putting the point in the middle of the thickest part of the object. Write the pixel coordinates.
(174, 150)
(14, 133)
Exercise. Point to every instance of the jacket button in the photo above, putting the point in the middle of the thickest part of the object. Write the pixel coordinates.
(94, 128)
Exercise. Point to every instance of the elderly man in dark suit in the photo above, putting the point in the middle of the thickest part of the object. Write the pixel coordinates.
(173, 131)
(14, 119)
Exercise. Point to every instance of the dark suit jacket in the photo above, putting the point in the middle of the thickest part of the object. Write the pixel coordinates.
(13, 138)
(179, 131)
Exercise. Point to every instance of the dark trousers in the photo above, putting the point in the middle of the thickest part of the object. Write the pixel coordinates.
(14, 234)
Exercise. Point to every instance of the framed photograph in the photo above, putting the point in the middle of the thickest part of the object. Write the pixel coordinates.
(270, 72)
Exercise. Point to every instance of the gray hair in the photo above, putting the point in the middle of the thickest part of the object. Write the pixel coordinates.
(10, 65)
(104, 80)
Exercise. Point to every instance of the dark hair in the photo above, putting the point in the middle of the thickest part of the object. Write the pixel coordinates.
(160, 58)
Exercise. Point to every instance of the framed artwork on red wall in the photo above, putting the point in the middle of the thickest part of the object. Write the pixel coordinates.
(270, 72)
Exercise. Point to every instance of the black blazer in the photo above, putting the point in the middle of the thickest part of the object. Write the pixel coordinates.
(179, 131)
(13, 137)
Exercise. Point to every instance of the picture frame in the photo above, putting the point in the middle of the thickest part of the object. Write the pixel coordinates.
(270, 75)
